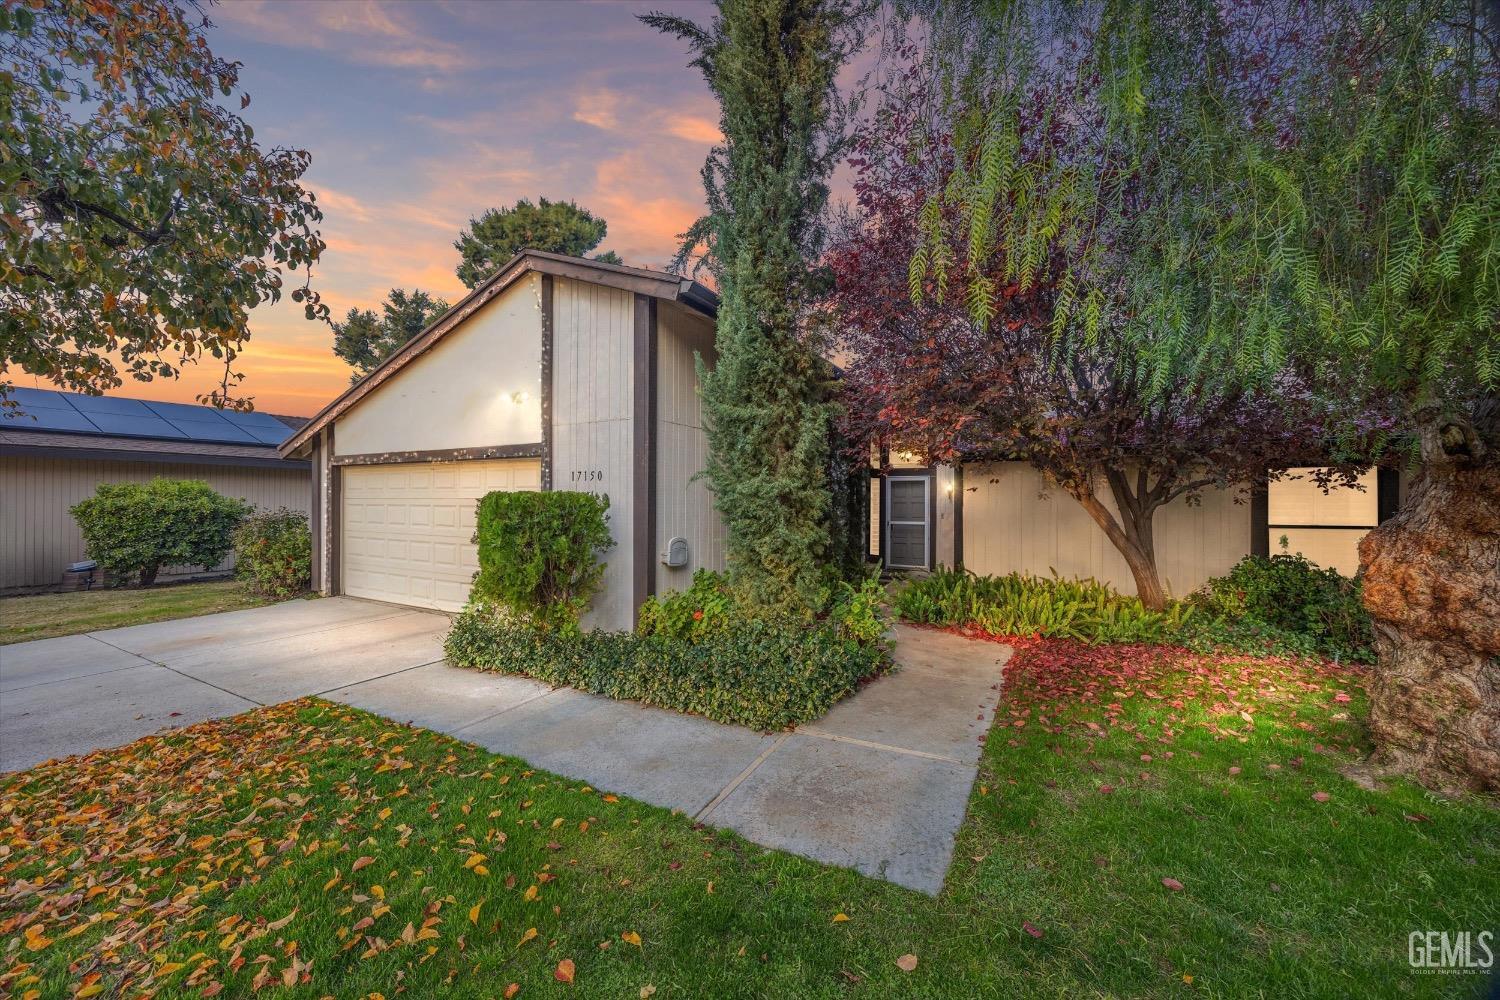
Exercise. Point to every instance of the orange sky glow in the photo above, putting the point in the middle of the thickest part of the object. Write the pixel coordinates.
(419, 116)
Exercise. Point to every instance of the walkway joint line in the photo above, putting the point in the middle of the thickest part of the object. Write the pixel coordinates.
(835, 737)
(200, 680)
(724, 792)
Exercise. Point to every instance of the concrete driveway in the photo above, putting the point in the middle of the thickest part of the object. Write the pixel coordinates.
(880, 784)
(78, 693)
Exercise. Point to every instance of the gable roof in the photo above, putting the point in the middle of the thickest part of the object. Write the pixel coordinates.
(658, 284)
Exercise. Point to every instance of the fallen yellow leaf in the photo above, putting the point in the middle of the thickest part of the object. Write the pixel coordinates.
(648, 991)
(631, 937)
(530, 935)
(512, 990)
(474, 912)
(906, 963)
(839, 918)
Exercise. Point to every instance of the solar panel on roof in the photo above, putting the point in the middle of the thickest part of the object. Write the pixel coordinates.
(213, 430)
(48, 418)
(183, 411)
(266, 435)
(37, 397)
(90, 405)
(150, 425)
(49, 410)
(252, 419)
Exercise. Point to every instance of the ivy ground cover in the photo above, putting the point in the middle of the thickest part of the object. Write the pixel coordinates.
(1145, 822)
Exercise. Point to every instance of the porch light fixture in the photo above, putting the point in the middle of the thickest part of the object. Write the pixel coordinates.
(520, 396)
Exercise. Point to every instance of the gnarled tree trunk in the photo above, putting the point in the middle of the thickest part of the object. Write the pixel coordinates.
(1132, 536)
(1432, 586)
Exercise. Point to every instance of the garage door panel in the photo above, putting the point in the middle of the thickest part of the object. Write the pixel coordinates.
(408, 529)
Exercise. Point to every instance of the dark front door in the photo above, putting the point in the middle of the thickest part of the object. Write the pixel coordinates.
(907, 507)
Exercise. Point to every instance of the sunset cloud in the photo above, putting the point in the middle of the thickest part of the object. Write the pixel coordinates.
(421, 116)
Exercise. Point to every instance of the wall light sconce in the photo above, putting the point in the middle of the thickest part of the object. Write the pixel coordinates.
(948, 488)
(520, 396)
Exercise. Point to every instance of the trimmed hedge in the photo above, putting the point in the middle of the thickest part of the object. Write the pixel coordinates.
(762, 674)
(539, 554)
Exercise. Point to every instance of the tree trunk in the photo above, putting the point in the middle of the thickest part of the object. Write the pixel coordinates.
(148, 575)
(1135, 542)
(1432, 586)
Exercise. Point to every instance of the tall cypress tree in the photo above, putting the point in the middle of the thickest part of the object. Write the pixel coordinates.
(772, 64)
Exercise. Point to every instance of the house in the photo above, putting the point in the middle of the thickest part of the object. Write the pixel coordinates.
(59, 447)
(565, 373)
(556, 373)
(1002, 517)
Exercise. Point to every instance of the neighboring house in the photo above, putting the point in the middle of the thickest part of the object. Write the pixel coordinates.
(556, 373)
(571, 374)
(60, 446)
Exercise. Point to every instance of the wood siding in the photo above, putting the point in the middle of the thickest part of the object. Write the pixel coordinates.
(38, 537)
(592, 406)
(1010, 526)
(685, 505)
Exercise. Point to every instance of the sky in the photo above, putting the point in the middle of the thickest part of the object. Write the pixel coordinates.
(421, 115)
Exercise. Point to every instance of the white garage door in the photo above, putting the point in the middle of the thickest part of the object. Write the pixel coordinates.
(408, 529)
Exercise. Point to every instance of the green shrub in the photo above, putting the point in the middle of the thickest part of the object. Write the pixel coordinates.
(709, 607)
(759, 673)
(1021, 604)
(134, 529)
(1283, 605)
(273, 553)
(703, 608)
(858, 611)
(539, 554)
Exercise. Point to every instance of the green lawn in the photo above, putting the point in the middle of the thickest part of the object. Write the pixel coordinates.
(44, 616)
(315, 850)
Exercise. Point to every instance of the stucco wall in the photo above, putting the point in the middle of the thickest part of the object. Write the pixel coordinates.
(38, 537)
(685, 504)
(481, 385)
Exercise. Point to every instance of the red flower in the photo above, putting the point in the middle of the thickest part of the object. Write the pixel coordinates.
(697, 616)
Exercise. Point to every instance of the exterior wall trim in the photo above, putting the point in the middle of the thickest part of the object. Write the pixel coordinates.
(315, 515)
(958, 515)
(172, 457)
(643, 436)
(549, 320)
(1260, 520)
(535, 450)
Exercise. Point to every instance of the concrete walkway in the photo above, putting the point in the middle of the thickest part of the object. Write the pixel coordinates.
(880, 784)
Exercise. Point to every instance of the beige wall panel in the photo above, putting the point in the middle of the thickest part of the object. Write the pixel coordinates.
(1301, 501)
(685, 504)
(408, 530)
(38, 537)
(461, 394)
(1328, 547)
(592, 400)
(1009, 527)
